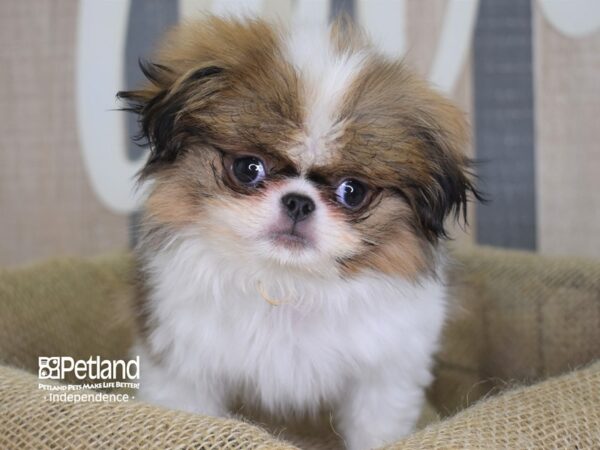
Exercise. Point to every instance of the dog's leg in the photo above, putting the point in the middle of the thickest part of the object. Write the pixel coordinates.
(161, 387)
(379, 409)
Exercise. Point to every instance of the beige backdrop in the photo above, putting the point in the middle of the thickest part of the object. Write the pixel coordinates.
(567, 109)
(47, 206)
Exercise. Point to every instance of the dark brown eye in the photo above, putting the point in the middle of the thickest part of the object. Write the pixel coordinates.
(248, 170)
(351, 193)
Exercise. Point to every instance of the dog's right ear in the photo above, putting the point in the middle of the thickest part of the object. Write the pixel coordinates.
(165, 109)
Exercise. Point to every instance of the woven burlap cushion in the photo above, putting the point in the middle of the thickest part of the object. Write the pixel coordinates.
(562, 412)
(28, 421)
(517, 317)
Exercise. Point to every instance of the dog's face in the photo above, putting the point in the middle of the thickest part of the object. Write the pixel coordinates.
(303, 153)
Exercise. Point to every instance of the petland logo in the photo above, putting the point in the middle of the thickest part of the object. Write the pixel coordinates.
(55, 368)
(103, 372)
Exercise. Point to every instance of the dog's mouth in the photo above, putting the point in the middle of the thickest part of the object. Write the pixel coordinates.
(290, 239)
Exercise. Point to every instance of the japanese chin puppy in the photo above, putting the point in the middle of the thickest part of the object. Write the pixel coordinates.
(291, 254)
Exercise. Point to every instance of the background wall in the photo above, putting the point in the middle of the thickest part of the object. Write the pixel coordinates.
(525, 71)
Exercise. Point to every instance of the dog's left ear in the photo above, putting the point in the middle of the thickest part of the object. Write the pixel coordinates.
(440, 129)
(164, 107)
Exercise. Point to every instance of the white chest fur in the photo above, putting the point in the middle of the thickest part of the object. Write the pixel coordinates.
(217, 333)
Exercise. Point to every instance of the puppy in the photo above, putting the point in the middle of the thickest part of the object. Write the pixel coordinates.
(291, 253)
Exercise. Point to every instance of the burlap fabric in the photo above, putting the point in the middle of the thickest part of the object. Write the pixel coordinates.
(67, 307)
(28, 421)
(517, 318)
(560, 413)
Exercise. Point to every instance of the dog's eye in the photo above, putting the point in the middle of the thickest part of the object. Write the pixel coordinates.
(351, 193)
(249, 170)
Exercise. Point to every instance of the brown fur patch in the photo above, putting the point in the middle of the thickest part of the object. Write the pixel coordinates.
(173, 203)
(404, 138)
(221, 83)
(403, 256)
(408, 139)
(390, 245)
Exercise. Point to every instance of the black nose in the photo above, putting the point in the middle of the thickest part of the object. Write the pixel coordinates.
(297, 206)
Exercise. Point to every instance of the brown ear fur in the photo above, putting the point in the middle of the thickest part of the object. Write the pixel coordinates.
(196, 63)
(442, 130)
(161, 108)
(414, 140)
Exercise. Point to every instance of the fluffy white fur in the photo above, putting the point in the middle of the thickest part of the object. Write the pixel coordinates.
(363, 345)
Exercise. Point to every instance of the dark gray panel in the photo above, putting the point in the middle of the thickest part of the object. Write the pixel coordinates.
(504, 123)
(148, 20)
(341, 6)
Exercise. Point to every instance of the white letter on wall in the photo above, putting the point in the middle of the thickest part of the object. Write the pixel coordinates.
(454, 43)
(102, 29)
(574, 18)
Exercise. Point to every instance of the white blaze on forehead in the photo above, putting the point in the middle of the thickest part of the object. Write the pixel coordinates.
(325, 76)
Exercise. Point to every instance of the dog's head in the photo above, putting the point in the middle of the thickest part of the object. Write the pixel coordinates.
(302, 150)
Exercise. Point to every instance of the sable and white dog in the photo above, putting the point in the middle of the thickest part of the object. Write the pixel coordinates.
(291, 253)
